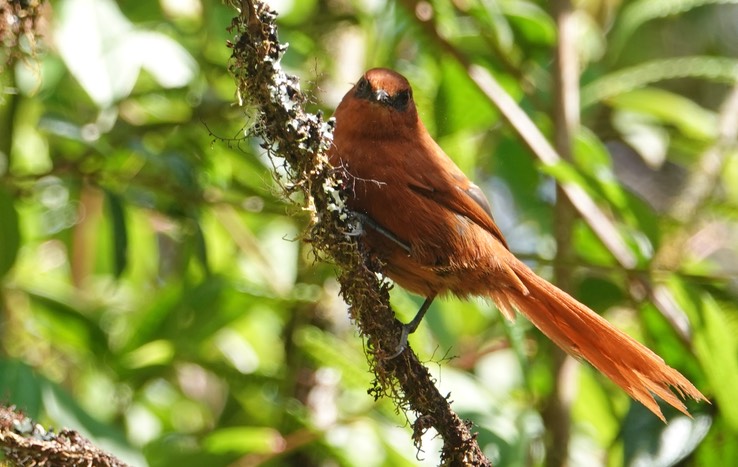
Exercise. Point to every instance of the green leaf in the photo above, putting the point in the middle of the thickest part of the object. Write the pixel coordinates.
(150, 322)
(459, 104)
(565, 172)
(715, 340)
(244, 440)
(20, 386)
(178, 449)
(9, 232)
(590, 247)
(201, 251)
(599, 293)
(328, 350)
(119, 232)
(685, 114)
(716, 344)
(512, 162)
(493, 21)
(596, 405)
(715, 449)
(159, 352)
(639, 12)
(720, 69)
(107, 58)
(589, 152)
(66, 325)
(532, 21)
(593, 158)
(730, 178)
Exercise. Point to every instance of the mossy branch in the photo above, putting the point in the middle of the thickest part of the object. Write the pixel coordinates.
(24, 442)
(301, 139)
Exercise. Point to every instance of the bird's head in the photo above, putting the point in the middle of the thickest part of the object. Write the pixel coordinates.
(380, 105)
(385, 88)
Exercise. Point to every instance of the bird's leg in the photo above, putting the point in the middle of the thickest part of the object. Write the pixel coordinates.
(410, 327)
(365, 219)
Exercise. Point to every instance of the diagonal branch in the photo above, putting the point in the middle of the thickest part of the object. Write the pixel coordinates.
(301, 140)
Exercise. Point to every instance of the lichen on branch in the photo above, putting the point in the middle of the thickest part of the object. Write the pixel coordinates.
(301, 139)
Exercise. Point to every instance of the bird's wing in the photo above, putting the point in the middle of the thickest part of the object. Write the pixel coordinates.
(451, 189)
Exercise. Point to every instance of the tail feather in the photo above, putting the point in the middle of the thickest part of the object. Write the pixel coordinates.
(582, 333)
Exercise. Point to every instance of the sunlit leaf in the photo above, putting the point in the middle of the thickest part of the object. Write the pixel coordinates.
(243, 440)
(690, 118)
(159, 352)
(330, 351)
(717, 348)
(533, 22)
(645, 134)
(105, 52)
(715, 343)
(494, 23)
(593, 158)
(719, 69)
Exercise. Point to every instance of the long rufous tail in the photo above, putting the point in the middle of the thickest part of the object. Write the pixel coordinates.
(583, 333)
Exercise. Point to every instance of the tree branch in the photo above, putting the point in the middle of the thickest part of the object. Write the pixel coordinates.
(301, 139)
(24, 442)
(556, 412)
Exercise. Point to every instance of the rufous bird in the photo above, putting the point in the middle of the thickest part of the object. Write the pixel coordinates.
(434, 231)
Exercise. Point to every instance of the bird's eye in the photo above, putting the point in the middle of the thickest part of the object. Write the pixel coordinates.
(401, 100)
(363, 88)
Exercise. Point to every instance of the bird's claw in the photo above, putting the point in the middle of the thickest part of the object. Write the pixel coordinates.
(403, 342)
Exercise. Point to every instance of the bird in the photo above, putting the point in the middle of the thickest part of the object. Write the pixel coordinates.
(435, 234)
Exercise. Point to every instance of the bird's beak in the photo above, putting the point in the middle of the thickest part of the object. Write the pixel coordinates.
(380, 95)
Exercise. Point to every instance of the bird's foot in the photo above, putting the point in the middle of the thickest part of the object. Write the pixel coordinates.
(403, 341)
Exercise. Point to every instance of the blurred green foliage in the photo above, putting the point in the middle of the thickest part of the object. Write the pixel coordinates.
(155, 296)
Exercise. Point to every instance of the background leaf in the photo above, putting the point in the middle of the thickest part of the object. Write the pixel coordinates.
(155, 293)
(9, 232)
